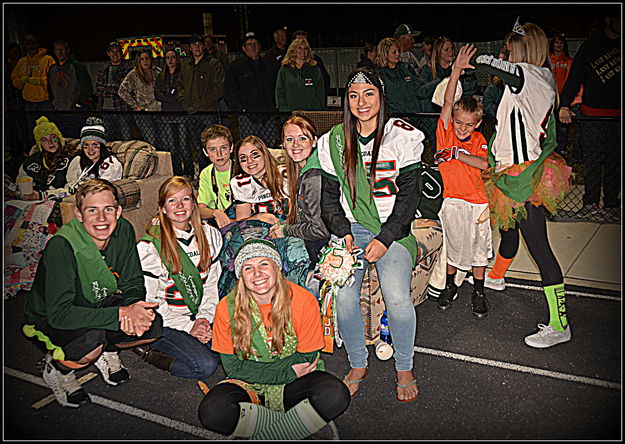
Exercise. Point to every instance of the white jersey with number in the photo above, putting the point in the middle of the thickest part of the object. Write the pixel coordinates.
(247, 189)
(401, 149)
(523, 115)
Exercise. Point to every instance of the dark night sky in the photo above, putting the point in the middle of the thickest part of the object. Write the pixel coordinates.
(89, 27)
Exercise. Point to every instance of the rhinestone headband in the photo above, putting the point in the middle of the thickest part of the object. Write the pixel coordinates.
(518, 28)
(366, 77)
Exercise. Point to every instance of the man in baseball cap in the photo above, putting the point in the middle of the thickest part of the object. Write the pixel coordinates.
(405, 34)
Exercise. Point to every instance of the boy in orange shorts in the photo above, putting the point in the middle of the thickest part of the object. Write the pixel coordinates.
(462, 155)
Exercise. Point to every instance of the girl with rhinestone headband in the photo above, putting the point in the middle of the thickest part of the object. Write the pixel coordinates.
(526, 177)
(370, 192)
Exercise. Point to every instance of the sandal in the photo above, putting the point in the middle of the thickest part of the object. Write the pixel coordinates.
(203, 387)
(349, 383)
(414, 398)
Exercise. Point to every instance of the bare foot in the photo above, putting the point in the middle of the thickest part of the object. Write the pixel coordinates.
(353, 379)
(407, 389)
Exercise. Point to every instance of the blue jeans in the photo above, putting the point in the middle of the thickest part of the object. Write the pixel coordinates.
(394, 272)
(194, 360)
(150, 126)
(174, 140)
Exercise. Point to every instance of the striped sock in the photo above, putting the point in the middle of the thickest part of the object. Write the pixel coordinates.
(557, 306)
(254, 418)
(299, 422)
(500, 267)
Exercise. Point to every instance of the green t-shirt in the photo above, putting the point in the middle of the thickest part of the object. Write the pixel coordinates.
(215, 188)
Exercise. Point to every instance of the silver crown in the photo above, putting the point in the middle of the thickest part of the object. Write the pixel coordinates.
(518, 28)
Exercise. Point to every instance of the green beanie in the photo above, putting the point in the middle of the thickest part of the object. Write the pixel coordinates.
(44, 128)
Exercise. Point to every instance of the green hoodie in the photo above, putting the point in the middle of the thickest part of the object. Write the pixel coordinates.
(300, 89)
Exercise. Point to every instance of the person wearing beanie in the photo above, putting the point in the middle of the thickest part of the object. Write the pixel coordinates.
(47, 166)
(268, 333)
(95, 159)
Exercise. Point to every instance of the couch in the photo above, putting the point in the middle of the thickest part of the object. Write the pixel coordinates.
(145, 169)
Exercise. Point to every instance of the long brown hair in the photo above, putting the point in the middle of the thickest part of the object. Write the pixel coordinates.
(139, 69)
(280, 315)
(533, 47)
(169, 242)
(274, 181)
(350, 129)
(292, 168)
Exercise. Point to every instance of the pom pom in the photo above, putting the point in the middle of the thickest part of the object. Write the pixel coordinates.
(94, 121)
(336, 265)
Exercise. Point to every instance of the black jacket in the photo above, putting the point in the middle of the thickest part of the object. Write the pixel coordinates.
(249, 85)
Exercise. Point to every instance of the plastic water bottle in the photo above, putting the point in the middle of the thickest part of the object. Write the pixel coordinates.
(385, 333)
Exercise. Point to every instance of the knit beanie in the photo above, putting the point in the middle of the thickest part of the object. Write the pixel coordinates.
(94, 130)
(44, 128)
(255, 248)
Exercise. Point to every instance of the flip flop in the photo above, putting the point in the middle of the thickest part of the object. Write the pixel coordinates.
(203, 387)
(349, 383)
(414, 398)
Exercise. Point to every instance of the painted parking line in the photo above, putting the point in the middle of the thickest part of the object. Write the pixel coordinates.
(126, 409)
(521, 368)
(48, 399)
(568, 292)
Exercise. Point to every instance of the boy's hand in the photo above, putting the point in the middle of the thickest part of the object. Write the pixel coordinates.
(448, 154)
(464, 57)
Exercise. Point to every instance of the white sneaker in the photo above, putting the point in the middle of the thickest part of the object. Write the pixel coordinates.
(493, 284)
(547, 336)
(67, 390)
(111, 368)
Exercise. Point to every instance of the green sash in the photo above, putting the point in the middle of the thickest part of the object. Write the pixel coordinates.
(188, 281)
(96, 279)
(521, 187)
(365, 212)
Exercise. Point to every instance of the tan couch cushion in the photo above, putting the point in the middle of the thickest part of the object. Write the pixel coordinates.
(139, 158)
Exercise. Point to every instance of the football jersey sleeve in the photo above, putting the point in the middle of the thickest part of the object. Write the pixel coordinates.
(323, 148)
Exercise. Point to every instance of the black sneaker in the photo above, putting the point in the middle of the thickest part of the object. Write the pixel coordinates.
(449, 294)
(479, 304)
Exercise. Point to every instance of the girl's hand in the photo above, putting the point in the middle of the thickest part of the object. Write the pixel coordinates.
(349, 242)
(464, 57)
(276, 231)
(374, 251)
(304, 368)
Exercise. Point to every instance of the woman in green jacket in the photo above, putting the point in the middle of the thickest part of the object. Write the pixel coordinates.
(300, 84)
(399, 79)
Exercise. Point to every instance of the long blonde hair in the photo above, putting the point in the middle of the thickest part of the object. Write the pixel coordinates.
(437, 48)
(292, 168)
(280, 315)
(533, 47)
(289, 57)
(169, 243)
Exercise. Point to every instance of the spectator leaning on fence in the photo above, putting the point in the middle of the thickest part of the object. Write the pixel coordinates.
(31, 76)
(597, 67)
(300, 83)
(108, 79)
(399, 80)
(405, 35)
(69, 82)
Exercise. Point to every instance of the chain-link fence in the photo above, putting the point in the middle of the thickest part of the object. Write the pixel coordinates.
(591, 146)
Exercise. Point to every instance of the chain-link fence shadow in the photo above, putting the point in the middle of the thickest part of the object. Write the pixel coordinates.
(591, 146)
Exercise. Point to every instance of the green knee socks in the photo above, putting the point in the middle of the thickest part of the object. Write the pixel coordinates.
(260, 423)
(557, 306)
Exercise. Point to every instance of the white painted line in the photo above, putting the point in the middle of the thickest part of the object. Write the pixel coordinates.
(520, 368)
(48, 399)
(129, 410)
(568, 292)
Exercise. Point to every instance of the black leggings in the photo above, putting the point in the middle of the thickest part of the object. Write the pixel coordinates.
(219, 410)
(534, 230)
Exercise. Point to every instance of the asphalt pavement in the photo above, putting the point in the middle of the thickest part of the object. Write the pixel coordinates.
(477, 381)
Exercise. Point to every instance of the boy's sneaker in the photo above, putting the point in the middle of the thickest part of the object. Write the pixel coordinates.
(66, 389)
(112, 369)
(493, 284)
(479, 304)
(449, 294)
(547, 336)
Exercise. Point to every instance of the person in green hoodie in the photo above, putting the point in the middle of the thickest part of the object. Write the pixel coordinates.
(300, 83)
(87, 300)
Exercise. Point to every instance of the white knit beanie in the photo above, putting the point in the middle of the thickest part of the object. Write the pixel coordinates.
(255, 248)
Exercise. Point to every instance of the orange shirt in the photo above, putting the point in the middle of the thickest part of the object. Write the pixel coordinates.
(461, 181)
(305, 313)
